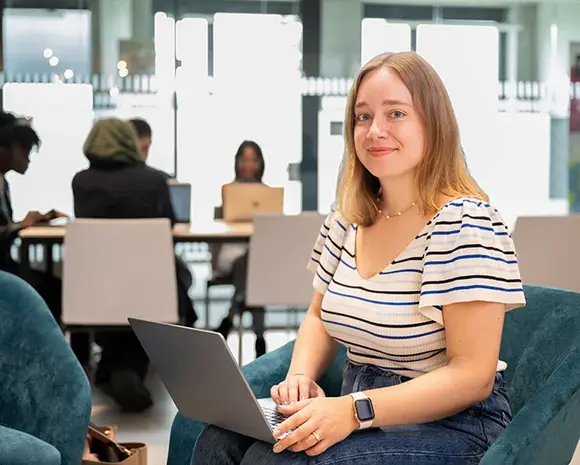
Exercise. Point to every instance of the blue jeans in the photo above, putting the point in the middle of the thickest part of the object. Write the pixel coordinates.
(457, 440)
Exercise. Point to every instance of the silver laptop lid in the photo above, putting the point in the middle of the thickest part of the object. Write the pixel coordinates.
(202, 377)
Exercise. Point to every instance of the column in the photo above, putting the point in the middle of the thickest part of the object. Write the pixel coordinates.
(114, 24)
(310, 13)
(341, 37)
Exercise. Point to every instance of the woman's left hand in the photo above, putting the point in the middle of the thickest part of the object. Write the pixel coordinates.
(316, 424)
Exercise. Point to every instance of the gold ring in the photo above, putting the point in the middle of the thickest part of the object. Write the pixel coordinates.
(316, 436)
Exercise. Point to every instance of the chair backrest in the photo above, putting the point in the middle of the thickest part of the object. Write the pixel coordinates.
(547, 250)
(115, 269)
(280, 248)
(537, 339)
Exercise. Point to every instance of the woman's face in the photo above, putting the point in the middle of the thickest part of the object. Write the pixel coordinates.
(388, 132)
(249, 163)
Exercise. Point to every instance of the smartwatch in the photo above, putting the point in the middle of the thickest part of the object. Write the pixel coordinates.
(363, 410)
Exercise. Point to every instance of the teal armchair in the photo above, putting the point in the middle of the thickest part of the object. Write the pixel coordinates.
(45, 397)
(541, 345)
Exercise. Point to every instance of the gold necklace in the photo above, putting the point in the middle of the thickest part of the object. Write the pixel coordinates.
(388, 217)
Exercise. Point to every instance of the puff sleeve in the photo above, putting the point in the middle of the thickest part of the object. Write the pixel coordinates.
(326, 252)
(469, 256)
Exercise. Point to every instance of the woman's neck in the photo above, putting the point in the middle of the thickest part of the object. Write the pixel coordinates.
(398, 194)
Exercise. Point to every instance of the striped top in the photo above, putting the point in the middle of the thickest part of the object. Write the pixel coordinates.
(394, 320)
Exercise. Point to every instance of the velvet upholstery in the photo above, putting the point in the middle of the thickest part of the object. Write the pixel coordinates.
(44, 392)
(542, 349)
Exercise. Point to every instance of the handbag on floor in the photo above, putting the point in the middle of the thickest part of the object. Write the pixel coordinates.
(102, 449)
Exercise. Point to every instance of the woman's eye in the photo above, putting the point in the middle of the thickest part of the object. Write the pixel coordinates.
(397, 114)
(362, 117)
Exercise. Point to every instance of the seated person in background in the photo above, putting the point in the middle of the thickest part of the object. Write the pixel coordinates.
(144, 134)
(118, 184)
(232, 259)
(17, 140)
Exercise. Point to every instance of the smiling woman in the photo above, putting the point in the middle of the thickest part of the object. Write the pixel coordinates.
(413, 274)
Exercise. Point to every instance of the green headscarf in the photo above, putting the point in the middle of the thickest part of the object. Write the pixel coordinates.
(112, 140)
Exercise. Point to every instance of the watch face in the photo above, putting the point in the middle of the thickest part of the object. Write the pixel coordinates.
(364, 410)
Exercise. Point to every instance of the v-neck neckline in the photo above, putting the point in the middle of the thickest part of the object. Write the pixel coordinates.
(420, 234)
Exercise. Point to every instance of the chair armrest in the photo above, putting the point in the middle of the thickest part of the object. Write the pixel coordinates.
(44, 391)
(18, 448)
(546, 429)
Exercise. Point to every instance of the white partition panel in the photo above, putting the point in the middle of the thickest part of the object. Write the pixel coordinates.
(379, 36)
(62, 115)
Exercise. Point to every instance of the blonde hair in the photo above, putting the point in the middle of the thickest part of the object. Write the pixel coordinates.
(442, 170)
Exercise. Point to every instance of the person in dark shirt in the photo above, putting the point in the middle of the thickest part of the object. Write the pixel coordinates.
(17, 140)
(118, 184)
(145, 136)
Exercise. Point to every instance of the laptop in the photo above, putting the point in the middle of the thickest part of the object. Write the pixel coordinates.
(204, 380)
(243, 200)
(181, 201)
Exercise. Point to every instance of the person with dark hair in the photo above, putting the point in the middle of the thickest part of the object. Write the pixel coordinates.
(119, 185)
(144, 136)
(17, 140)
(232, 259)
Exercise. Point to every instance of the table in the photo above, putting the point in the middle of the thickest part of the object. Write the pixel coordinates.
(215, 232)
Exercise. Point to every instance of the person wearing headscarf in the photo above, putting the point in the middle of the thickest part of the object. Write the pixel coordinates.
(119, 185)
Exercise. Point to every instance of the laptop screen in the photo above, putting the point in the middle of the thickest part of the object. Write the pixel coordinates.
(181, 201)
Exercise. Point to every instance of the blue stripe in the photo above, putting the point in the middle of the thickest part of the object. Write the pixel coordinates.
(382, 336)
(406, 270)
(314, 260)
(331, 252)
(466, 257)
(467, 225)
(322, 279)
(421, 235)
(323, 236)
(341, 225)
(379, 302)
(468, 288)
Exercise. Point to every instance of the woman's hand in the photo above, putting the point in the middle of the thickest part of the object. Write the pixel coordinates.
(294, 388)
(316, 424)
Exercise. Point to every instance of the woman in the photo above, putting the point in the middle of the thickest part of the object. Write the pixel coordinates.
(413, 274)
(118, 184)
(232, 259)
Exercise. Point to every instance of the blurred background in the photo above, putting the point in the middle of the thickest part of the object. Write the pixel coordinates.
(207, 74)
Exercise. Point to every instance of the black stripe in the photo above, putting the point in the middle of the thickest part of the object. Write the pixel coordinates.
(468, 246)
(471, 276)
(326, 227)
(410, 259)
(375, 291)
(378, 357)
(339, 247)
(325, 270)
(314, 251)
(418, 354)
(379, 325)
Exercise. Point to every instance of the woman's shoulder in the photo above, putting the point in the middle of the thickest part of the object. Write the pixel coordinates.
(470, 211)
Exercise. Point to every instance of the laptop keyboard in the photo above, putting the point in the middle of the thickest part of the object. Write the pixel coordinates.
(273, 417)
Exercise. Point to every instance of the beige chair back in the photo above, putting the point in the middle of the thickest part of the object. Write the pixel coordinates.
(280, 248)
(115, 269)
(548, 250)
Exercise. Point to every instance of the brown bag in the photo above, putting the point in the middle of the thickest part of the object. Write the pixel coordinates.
(102, 449)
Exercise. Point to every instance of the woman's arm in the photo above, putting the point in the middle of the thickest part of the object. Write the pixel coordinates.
(473, 332)
(314, 349)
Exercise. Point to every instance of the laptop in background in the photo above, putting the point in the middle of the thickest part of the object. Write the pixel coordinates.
(243, 200)
(180, 193)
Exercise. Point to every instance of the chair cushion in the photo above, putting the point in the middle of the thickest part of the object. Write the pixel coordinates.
(17, 448)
